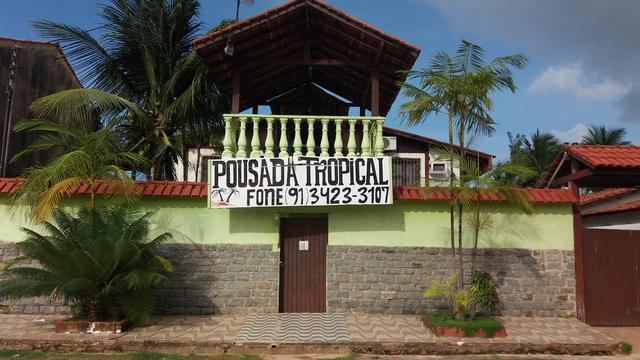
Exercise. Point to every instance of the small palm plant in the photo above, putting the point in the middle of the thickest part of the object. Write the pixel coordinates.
(87, 159)
(104, 266)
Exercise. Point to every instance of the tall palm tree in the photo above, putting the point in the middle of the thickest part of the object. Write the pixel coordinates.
(143, 70)
(86, 159)
(600, 135)
(461, 86)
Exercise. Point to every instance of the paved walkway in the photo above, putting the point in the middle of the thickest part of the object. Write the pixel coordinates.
(348, 332)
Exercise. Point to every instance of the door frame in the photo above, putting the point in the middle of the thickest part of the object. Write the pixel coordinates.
(281, 248)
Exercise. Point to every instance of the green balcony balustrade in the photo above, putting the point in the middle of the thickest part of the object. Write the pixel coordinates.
(251, 135)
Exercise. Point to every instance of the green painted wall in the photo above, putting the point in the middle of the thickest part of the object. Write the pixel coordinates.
(406, 223)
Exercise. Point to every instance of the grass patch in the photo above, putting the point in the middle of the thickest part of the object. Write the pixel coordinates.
(469, 327)
(32, 354)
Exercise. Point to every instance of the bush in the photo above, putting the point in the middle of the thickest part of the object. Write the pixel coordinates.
(483, 291)
(625, 347)
(101, 262)
(458, 300)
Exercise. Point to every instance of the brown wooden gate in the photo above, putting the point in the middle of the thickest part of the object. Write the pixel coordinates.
(611, 277)
(303, 255)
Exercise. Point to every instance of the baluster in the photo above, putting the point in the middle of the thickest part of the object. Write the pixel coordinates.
(255, 138)
(268, 143)
(284, 144)
(324, 142)
(365, 145)
(379, 144)
(311, 142)
(227, 142)
(337, 144)
(351, 144)
(297, 141)
(242, 139)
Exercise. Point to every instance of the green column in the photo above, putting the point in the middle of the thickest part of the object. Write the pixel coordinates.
(311, 142)
(255, 138)
(324, 143)
(297, 141)
(227, 142)
(337, 145)
(268, 143)
(365, 146)
(379, 147)
(284, 144)
(242, 139)
(351, 144)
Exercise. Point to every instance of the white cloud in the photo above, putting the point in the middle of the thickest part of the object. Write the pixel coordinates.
(570, 80)
(572, 135)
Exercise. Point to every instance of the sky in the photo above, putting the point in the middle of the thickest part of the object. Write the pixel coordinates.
(584, 55)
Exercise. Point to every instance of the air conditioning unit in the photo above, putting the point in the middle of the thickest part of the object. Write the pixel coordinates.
(390, 143)
(439, 169)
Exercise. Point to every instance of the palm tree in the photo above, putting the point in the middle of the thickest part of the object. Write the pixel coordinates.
(600, 135)
(461, 86)
(142, 68)
(86, 159)
(96, 263)
(537, 153)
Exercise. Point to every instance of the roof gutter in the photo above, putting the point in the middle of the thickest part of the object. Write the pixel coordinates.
(565, 156)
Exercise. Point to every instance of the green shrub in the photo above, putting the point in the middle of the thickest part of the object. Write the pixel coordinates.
(102, 263)
(625, 347)
(483, 291)
(459, 301)
(468, 326)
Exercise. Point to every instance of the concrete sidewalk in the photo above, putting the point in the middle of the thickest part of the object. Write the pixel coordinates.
(306, 333)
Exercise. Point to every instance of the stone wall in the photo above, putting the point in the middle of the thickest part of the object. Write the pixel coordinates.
(207, 279)
(392, 279)
(221, 279)
(228, 279)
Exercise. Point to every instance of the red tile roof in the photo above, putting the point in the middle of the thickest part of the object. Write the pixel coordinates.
(625, 156)
(604, 194)
(630, 206)
(535, 195)
(145, 188)
(199, 189)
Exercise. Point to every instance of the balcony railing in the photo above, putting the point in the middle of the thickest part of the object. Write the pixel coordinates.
(338, 136)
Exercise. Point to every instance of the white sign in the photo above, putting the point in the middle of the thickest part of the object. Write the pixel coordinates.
(299, 181)
(303, 245)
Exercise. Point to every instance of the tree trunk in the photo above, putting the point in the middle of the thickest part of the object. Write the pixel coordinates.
(197, 163)
(185, 160)
(94, 310)
(451, 208)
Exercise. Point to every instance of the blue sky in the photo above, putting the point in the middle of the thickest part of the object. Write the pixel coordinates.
(568, 84)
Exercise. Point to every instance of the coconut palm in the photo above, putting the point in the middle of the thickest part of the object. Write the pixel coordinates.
(536, 152)
(96, 263)
(142, 68)
(86, 159)
(460, 86)
(600, 135)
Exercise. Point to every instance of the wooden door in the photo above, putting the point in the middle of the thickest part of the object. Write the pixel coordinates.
(611, 277)
(303, 255)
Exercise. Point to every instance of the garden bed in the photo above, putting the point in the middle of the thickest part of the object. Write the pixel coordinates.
(88, 327)
(481, 326)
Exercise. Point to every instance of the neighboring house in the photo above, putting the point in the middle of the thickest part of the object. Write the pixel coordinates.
(607, 235)
(29, 70)
(611, 209)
